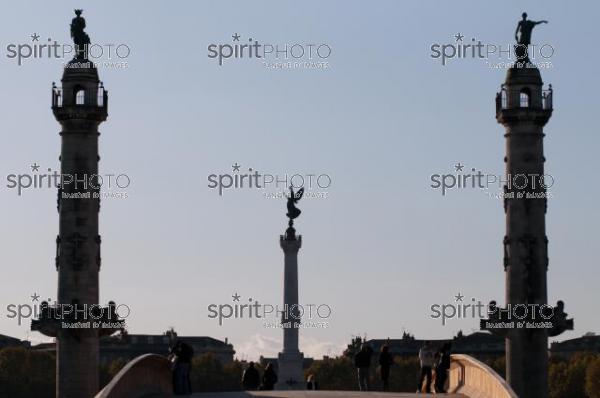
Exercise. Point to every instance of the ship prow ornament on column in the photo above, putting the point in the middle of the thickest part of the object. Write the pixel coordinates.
(524, 108)
(79, 106)
(290, 360)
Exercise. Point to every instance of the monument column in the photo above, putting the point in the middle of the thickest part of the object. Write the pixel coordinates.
(78, 252)
(290, 243)
(290, 360)
(524, 108)
(77, 320)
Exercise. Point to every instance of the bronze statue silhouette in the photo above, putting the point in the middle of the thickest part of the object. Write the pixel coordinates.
(293, 211)
(80, 38)
(525, 27)
(560, 321)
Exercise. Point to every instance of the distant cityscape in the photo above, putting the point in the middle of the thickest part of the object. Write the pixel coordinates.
(481, 345)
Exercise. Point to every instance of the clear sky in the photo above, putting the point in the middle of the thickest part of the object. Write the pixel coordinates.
(380, 120)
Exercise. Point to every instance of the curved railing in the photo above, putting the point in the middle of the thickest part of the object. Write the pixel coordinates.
(473, 378)
(143, 376)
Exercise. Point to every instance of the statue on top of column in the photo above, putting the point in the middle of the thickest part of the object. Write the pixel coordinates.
(525, 27)
(80, 38)
(293, 211)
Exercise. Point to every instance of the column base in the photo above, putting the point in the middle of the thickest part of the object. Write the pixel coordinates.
(291, 372)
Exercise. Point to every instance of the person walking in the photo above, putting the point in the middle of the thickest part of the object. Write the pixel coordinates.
(250, 378)
(362, 362)
(385, 362)
(426, 359)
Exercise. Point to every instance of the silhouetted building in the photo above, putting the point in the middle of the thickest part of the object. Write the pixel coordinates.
(566, 349)
(129, 346)
(7, 341)
(481, 345)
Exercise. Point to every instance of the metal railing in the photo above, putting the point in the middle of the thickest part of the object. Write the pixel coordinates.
(546, 101)
(80, 98)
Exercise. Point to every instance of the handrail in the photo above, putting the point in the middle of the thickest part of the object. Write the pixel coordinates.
(473, 378)
(143, 376)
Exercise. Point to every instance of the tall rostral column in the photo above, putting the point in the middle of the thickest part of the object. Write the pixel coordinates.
(290, 360)
(524, 108)
(77, 320)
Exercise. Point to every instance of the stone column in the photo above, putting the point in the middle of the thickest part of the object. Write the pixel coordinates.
(290, 360)
(78, 252)
(77, 321)
(523, 108)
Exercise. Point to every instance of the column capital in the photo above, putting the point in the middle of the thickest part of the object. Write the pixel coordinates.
(288, 243)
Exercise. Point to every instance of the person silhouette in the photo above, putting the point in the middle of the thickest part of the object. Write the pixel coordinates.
(362, 362)
(181, 358)
(311, 383)
(386, 360)
(426, 359)
(250, 378)
(269, 378)
(442, 367)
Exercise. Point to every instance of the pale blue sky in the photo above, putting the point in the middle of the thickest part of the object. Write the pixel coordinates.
(383, 246)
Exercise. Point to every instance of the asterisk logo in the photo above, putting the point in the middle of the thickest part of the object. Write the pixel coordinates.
(35, 167)
(236, 167)
(459, 297)
(35, 37)
(236, 297)
(459, 37)
(236, 37)
(459, 167)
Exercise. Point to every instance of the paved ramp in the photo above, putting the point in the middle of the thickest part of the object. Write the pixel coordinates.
(317, 394)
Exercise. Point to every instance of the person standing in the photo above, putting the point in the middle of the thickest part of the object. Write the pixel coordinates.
(442, 368)
(362, 362)
(181, 357)
(385, 362)
(250, 378)
(426, 359)
(269, 378)
(311, 383)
